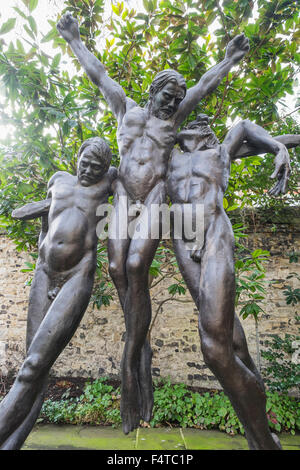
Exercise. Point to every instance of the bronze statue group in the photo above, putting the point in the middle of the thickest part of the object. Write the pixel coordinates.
(152, 171)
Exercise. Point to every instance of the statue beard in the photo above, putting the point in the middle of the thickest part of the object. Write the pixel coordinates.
(208, 138)
(159, 113)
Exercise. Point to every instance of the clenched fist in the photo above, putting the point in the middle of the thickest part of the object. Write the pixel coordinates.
(237, 48)
(68, 27)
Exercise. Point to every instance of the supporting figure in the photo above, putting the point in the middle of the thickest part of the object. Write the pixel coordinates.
(198, 175)
(62, 283)
(146, 137)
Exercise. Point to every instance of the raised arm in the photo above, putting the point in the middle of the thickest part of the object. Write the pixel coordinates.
(235, 51)
(257, 137)
(111, 90)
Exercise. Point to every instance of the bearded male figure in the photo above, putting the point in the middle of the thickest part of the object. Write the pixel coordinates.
(198, 175)
(146, 137)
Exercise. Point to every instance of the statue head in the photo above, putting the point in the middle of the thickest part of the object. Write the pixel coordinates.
(197, 135)
(94, 159)
(166, 92)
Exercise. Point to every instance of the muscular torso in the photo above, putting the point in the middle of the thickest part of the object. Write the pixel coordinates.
(72, 221)
(145, 143)
(199, 177)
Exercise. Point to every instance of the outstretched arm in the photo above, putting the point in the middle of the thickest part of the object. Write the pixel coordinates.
(257, 137)
(235, 51)
(248, 150)
(33, 210)
(111, 90)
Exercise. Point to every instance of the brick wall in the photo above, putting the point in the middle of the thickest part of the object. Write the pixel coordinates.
(97, 346)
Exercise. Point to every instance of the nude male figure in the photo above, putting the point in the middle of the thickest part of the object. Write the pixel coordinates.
(146, 137)
(62, 283)
(198, 174)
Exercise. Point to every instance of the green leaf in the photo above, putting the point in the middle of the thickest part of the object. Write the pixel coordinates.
(8, 26)
(29, 32)
(222, 412)
(32, 23)
(233, 207)
(20, 13)
(56, 61)
(115, 9)
(50, 35)
(33, 4)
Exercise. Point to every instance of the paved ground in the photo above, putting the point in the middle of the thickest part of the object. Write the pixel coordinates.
(53, 437)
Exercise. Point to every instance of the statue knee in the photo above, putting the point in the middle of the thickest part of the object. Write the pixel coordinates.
(135, 266)
(31, 368)
(240, 349)
(215, 354)
(115, 269)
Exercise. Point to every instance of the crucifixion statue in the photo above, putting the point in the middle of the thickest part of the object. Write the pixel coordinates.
(146, 137)
(151, 172)
(198, 175)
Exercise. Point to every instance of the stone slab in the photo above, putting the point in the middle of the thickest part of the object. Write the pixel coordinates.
(70, 437)
(160, 438)
(213, 440)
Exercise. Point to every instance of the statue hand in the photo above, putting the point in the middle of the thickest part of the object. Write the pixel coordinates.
(282, 172)
(68, 27)
(237, 48)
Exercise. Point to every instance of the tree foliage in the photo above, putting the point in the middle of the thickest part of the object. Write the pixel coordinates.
(51, 110)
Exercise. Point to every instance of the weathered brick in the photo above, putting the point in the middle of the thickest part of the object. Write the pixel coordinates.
(97, 346)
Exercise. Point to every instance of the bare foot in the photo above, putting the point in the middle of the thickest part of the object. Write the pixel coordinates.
(277, 441)
(253, 445)
(130, 402)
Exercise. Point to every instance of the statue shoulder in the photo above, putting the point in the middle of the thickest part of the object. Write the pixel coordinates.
(58, 175)
(112, 176)
(130, 103)
(176, 157)
(112, 173)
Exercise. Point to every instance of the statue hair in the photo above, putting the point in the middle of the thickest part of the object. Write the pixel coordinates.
(204, 130)
(99, 148)
(208, 137)
(164, 77)
(200, 125)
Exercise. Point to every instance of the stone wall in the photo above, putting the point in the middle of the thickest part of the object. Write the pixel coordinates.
(97, 346)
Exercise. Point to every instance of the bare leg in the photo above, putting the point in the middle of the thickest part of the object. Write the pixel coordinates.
(240, 348)
(216, 306)
(191, 272)
(18, 437)
(39, 303)
(137, 393)
(54, 333)
(118, 242)
(117, 252)
(118, 249)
